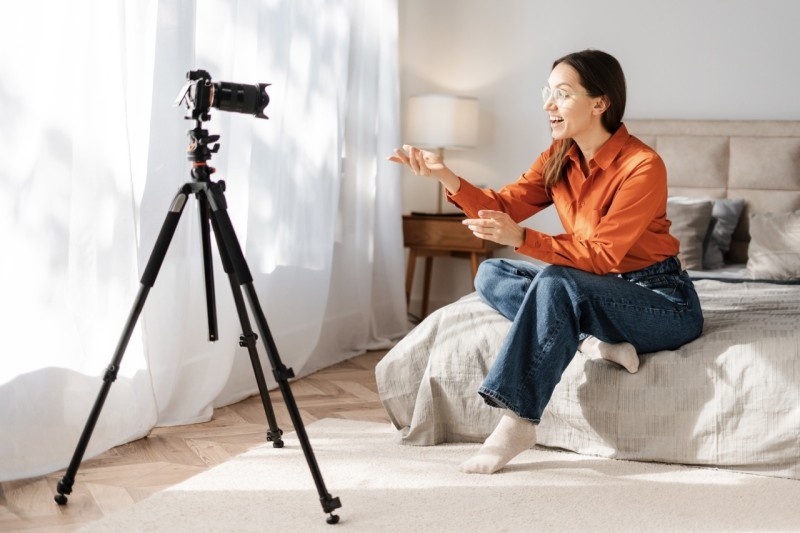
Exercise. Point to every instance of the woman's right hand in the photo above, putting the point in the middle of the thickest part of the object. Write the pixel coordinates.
(421, 162)
(424, 163)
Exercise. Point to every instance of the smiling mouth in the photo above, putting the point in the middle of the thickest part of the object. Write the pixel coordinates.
(555, 121)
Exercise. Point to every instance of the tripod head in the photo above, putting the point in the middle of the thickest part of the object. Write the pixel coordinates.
(201, 147)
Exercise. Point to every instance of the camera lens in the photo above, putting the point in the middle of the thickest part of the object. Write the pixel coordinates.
(240, 98)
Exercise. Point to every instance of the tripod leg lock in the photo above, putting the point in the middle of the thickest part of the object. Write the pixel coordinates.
(111, 373)
(283, 373)
(248, 340)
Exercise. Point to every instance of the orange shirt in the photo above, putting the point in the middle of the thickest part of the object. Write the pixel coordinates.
(615, 219)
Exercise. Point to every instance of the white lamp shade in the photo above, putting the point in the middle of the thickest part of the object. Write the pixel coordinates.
(442, 121)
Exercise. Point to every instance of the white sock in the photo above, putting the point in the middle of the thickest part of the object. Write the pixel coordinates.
(623, 353)
(511, 437)
(590, 345)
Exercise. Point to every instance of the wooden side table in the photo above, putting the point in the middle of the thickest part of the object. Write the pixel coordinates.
(429, 236)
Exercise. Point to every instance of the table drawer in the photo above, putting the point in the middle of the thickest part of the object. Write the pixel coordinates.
(440, 232)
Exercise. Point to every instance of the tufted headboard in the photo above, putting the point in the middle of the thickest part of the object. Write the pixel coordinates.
(755, 160)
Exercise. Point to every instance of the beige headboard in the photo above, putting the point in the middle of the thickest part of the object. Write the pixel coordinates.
(755, 160)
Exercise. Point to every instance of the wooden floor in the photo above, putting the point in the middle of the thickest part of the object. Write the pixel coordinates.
(128, 473)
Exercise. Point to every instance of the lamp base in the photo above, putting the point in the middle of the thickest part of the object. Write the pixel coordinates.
(440, 187)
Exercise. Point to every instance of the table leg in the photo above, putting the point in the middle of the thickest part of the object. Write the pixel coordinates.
(426, 289)
(473, 259)
(412, 261)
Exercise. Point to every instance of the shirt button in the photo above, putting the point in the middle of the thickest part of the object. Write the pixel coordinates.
(581, 204)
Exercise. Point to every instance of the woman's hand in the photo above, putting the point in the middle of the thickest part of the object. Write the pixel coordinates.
(424, 163)
(421, 162)
(496, 226)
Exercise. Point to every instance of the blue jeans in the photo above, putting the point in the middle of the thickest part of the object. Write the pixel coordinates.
(554, 307)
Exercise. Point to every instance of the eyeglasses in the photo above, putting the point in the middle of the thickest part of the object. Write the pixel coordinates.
(559, 96)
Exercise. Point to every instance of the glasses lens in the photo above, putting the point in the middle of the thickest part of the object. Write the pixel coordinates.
(558, 95)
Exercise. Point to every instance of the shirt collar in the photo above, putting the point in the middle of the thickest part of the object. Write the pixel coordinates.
(608, 152)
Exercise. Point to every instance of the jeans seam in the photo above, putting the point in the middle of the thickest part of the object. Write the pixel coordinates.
(539, 358)
(675, 310)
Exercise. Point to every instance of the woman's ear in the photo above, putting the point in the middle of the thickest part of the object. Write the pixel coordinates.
(600, 105)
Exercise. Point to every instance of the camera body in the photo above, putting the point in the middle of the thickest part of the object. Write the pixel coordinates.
(200, 94)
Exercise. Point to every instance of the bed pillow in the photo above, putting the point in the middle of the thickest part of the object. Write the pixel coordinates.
(725, 215)
(691, 218)
(774, 251)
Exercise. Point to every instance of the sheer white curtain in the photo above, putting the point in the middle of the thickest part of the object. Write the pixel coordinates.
(94, 152)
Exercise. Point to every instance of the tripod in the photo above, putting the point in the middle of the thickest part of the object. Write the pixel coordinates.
(213, 212)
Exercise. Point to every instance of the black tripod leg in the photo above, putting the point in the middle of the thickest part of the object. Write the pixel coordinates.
(248, 339)
(227, 236)
(64, 486)
(282, 374)
(208, 270)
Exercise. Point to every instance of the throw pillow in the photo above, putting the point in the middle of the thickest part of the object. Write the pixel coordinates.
(690, 219)
(774, 251)
(726, 213)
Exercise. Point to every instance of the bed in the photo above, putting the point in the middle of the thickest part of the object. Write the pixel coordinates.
(729, 399)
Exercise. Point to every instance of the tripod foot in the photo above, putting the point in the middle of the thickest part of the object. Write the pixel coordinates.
(63, 487)
(330, 504)
(274, 436)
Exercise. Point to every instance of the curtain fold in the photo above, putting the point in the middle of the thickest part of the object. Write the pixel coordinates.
(99, 153)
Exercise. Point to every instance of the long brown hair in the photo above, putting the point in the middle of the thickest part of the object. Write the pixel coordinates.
(601, 75)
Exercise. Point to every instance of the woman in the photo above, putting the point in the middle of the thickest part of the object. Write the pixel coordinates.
(613, 275)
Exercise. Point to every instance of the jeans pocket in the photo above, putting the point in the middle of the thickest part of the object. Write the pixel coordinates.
(670, 286)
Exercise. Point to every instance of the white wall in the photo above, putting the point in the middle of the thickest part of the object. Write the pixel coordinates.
(683, 59)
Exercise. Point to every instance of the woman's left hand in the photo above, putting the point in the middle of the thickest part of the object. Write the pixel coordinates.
(496, 226)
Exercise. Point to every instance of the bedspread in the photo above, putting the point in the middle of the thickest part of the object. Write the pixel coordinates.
(731, 398)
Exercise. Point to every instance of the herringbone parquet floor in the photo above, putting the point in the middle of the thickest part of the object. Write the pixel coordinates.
(126, 474)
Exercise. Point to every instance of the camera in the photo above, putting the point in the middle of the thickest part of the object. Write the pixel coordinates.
(200, 94)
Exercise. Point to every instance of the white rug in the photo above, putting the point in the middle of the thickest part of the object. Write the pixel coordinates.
(387, 487)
